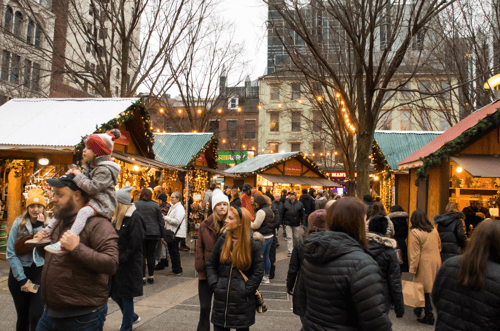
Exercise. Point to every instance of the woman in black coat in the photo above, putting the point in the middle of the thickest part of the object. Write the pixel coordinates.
(235, 253)
(126, 282)
(466, 292)
(451, 229)
(339, 285)
(399, 219)
(154, 225)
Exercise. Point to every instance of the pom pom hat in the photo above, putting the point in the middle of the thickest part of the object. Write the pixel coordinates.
(102, 143)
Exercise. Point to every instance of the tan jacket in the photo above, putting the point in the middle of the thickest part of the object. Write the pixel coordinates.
(424, 256)
(80, 278)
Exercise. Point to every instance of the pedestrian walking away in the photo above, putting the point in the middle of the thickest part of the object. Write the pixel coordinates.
(210, 231)
(399, 219)
(235, 254)
(75, 285)
(25, 264)
(293, 215)
(451, 229)
(309, 204)
(264, 224)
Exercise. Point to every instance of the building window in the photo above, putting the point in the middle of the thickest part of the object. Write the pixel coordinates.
(418, 41)
(384, 122)
(425, 86)
(27, 73)
(317, 121)
(275, 94)
(295, 91)
(444, 124)
(318, 151)
(9, 13)
(274, 147)
(16, 68)
(231, 126)
(274, 122)
(249, 129)
(18, 21)
(30, 31)
(405, 94)
(445, 86)
(296, 121)
(233, 103)
(38, 37)
(295, 147)
(35, 81)
(405, 120)
(5, 65)
(213, 126)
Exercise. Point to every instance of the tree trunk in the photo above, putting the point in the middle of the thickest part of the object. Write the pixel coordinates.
(364, 147)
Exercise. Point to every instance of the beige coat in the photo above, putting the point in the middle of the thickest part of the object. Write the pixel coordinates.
(424, 256)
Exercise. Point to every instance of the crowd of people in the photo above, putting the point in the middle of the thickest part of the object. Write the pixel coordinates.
(346, 255)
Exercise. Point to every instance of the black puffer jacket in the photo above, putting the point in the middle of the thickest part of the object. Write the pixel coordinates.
(400, 221)
(340, 286)
(153, 219)
(462, 308)
(451, 229)
(234, 299)
(293, 214)
(277, 206)
(293, 271)
(385, 254)
(308, 203)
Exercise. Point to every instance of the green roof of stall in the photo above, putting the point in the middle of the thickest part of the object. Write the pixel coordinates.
(398, 145)
(258, 162)
(179, 148)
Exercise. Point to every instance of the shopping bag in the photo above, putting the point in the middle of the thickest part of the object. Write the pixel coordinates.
(413, 294)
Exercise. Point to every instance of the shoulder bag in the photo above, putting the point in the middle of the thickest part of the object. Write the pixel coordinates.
(169, 235)
(260, 306)
(413, 292)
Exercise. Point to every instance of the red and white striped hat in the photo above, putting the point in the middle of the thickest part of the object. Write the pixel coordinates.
(102, 143)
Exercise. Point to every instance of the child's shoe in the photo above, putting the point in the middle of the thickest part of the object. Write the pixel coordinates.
(38, 242)
(56, 248)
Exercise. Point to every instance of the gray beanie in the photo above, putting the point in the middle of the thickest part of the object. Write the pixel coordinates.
(123, 195)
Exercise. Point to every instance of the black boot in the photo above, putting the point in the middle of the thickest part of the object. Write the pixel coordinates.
(418, 311)
(271, 273)
(428, 319)
(162, 264)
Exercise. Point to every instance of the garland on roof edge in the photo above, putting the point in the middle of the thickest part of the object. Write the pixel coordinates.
(453, 146)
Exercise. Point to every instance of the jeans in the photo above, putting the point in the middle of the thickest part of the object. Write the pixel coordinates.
(220, 328)
(266, 247)
(205, 295)
(90, 322)
(148, 251)
(175, 257)
(292, 236)
(127, 308)
(29, 306)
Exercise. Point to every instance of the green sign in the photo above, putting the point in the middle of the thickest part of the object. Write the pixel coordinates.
(228, 157)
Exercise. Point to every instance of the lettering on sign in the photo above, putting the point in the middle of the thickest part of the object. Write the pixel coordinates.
(294, 169)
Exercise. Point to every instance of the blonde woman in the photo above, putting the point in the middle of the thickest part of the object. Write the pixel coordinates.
(126, 283)
(25, 264)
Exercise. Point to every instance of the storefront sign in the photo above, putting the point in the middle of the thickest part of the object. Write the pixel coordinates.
(228, 157)
(343, 174)
(293, 169)
(124, 139)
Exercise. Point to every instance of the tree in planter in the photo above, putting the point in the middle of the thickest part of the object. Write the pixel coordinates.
(351, 49)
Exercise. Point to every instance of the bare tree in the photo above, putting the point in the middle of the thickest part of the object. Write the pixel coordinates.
(351, 50)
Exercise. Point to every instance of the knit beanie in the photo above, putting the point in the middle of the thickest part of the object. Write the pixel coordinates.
(123, 195)
(102, 143)
(317, 219)
(163, 197)
(36, 197)
(218, 196)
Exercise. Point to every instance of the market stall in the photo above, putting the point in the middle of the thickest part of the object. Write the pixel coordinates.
(291, 171)
(461, 165)
(389, 148)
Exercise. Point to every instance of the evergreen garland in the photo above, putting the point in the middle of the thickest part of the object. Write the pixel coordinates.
(457, 144)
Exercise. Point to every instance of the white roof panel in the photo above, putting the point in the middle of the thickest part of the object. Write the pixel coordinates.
(56, 122)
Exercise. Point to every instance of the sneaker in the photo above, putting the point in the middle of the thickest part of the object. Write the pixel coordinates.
(56, 249)
(265, 280)
(135, 322)
(38, 242)
(151, 280)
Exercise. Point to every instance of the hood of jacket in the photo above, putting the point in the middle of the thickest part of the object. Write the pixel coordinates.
(398, 214)
(448, 218)
(377, 243)
(305, 196)
(323, 247)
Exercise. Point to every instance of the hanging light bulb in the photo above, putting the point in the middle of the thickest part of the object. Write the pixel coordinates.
(161, 110)
(223, 141)
(179, 111)
(219, 110)
(337, 95)
(319, 98)
(259, 106)
(199, 111)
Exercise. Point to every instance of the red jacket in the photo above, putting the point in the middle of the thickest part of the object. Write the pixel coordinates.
(245, 203)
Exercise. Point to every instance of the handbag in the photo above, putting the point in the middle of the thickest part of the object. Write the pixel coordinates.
(260, 306)
(413, 294)
(169, 235)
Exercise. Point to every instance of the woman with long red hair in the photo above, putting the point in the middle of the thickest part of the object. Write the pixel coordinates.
(235, 253)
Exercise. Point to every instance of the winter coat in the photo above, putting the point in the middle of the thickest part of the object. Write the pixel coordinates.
(308, 203)
(384, 251)
(464, 308)
(245, 203)
(321, 203)
(126, 283)
(236, 202)
(153, 219)
(390, 226)
(451, 229)
(277, 207)
(293, 214)
(207, 237)
(80, 278)
(424, 257)
(264, 222)
(400, 221)
(98, 180)
(471, 218)
(293, 271)
(176, 216)
(340, 286)
(234, 300)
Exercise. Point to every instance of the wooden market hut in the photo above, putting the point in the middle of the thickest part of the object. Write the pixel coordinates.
(459, 164)
(41, 138)
(389, 148)
(292, 171)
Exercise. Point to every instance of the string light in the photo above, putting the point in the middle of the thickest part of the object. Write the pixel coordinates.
(239, 108)
(244, 146)
(263, 149)
(259, 106)
(343, 109)
(194, 131)
(199, 111)
(346, 116)
(300, 101)
(219, 110)
(337, 95)
(179, 111)
(157, 130)
(319, 98)
(335, 153)
(223, 141)
(161, 110)
(280, 105)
